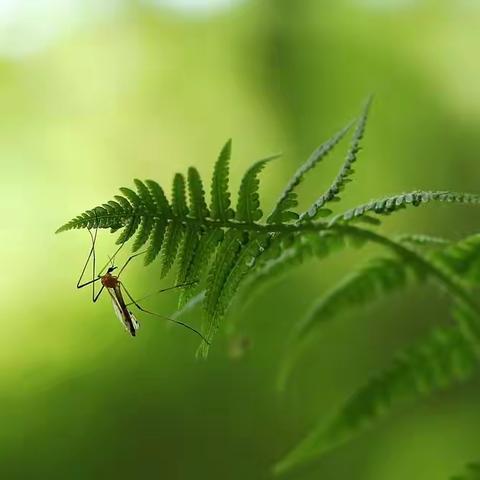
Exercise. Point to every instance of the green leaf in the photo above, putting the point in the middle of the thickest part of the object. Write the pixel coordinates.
(129, 229)
(463, 258)
(394, 203)
(144, 233)
(333, 191)
(434, 363)
(217, 277)
(132, 197)
(244, 263)
(220, 206)
(162, 206)
(421, 240)
(156, 241)
(189, 248)
(198, 206)
(125, 204)
(237, 249)
(288, 198)
(200, 261)
(173, 238)
(179, 200)
(248, 207)
(377, 278)
(280, 261)
(145, 195)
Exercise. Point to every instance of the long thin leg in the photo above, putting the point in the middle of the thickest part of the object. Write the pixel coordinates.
(95, 298)
(92, 252)
(94, 277)
(112, 258)
(129, 259)
(162, 316)
(180, 285)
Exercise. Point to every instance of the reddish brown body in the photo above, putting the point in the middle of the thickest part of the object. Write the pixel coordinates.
(109, 281)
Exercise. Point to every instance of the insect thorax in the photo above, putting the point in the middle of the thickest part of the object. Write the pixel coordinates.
(109, 281)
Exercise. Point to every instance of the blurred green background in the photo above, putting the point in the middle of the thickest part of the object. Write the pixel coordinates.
(93, 94)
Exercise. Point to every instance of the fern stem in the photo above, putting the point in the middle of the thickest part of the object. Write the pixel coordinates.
(207, 222)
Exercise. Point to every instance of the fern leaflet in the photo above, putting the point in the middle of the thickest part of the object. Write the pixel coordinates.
(346, 171)
(443, 358)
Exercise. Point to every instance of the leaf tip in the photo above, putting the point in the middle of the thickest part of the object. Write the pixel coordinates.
(63, 228)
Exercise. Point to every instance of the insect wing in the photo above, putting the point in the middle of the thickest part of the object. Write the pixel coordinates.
(126, 317)
(116, 306)
(135, 322)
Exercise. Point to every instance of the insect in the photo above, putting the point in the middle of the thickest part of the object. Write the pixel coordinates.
(116, 289)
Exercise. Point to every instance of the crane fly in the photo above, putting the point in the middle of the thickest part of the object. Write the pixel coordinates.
(116, 289)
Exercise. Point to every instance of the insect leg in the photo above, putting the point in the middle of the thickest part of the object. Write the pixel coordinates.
(94, 277)
(92, 250)
(162, 316)
(129, 259)
(112, 258)
(180, 285)
(95, 297)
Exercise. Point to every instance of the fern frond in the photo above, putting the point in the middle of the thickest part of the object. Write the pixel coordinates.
(421, 240)
(228, 248)
(147, 222)
(134, 199)
(332, 193)
(179, 199)
(220, 196)
(244, 263)
(431, 269)
(222, 265)
(380, 278)
(223, 248)
(96, 216)
(443, 358)
(173, 238)
(248, 206)
(288, 198)
(200, 262)
(162, 206)
(198, 206)
(189, 248)
(394, 203)
(143, 235)
(463, 258)
(276, 265)
(467, 321)
(156, 241)
(375, 279)
(129, 230)
(144, 194)
(125, 209)
(472, 472)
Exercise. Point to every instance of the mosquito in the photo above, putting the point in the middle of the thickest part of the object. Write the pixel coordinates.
(116, 289)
